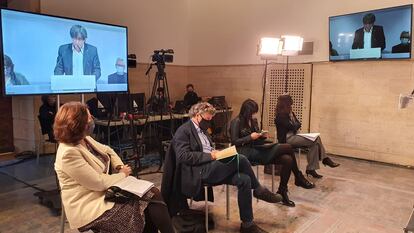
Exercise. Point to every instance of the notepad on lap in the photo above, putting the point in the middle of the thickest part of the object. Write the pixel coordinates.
(310, 136)
(134, 185)
(226, 153)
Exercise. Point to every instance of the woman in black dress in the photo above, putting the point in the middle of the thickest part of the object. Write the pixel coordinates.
(249, 142)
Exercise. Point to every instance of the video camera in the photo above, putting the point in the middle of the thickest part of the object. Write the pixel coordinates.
(163, 56)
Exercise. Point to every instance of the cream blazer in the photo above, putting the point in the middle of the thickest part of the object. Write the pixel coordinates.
(84, 180)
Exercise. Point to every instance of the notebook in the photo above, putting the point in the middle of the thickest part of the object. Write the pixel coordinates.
(226, 153)
(310, 136)
(134, 185)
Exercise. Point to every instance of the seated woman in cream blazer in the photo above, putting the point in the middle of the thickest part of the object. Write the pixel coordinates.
(82, 166)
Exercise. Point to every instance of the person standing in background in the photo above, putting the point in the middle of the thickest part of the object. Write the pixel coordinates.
(47, 113)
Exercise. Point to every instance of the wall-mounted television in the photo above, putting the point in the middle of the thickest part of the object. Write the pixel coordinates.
(43, 54)
(376, 34)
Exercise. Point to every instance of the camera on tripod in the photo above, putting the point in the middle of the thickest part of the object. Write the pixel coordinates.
(163, 56)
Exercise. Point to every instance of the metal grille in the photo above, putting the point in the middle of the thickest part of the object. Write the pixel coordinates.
(296, 83)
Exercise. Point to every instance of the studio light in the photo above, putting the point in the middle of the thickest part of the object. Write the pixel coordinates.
(291, 45)
(269, 47)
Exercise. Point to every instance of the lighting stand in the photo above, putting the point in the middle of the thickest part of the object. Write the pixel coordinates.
(263, 95)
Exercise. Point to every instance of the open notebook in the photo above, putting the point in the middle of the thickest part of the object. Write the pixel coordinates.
(134, 185)
(226, 153)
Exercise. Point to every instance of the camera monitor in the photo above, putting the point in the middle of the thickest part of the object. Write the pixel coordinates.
(44, 54)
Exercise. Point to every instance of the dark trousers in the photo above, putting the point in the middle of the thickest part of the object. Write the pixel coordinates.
(281, 154)
(217, 172)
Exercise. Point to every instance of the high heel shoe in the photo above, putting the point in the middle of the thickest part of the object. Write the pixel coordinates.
(328, 162)
(285, 200)
(301, 181)
(313, 174)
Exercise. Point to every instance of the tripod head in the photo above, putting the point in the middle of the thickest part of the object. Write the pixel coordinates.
(159, 58)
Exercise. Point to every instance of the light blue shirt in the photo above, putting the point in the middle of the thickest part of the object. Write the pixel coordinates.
(77, 62)
(207, 148)
(367, 39)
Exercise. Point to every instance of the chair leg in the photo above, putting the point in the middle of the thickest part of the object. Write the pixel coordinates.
(273, 178)
(191, 202)
(227, 202)
(206, 206)
(300, 152)
(257, 176)
(62, 220)
(38, 152)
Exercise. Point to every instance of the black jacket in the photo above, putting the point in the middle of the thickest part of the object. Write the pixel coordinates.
(377, 38)
(401, 48)
(47, 115)
(284, 124)
(190, 99)
(91, 64)
(182, 169)
(240, 134)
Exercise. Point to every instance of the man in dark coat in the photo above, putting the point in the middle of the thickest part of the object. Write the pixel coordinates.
(370, 35)
(78, 57)
(191, 163)
(405, 45)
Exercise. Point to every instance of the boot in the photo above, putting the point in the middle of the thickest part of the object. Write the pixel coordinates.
(252, 229)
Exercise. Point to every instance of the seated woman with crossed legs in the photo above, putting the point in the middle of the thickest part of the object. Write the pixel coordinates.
(287, 126)
(83, 166)
(249, 142)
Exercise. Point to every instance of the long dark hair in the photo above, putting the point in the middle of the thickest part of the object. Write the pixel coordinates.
(284, 104)
(9, 63)
(248, 108)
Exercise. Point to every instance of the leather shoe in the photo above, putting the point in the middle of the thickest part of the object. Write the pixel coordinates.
(264, 194)
(328, 162)
(285, 196)
(313, 174)
(252, 229)
(301, 181)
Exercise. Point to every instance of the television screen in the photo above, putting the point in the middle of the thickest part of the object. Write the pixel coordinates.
(44, 54)
(376, 34)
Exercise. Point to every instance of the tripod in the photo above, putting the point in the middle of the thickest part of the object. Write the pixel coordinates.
(161, 107)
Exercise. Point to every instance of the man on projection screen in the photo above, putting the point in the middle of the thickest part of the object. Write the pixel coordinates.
(370, 35)
(78, 57)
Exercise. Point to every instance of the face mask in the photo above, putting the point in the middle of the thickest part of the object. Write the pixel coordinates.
(405, 40)
(204, 124)
(91, 127)
(119, 69)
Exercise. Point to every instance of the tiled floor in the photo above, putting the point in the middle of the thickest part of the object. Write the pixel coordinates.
(358, 196)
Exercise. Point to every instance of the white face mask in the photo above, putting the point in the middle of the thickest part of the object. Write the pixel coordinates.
(120, 70)
(405, 40)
